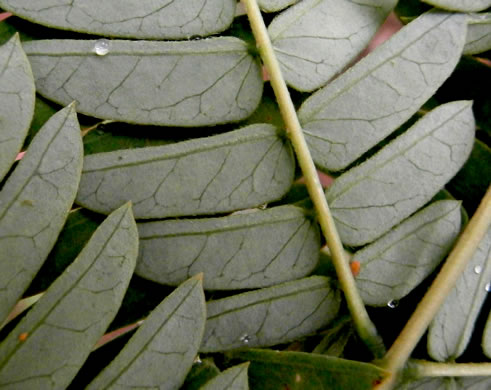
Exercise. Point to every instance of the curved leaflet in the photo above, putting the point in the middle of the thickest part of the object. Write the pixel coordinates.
(451, 329)
(461, 5)
(146, 19)
(280, 370)
(252, 250)
(312, 46)
(35, 201)
(368, 102)
(369, 199)
(16, 101)
(397, 262)
(275, 5)
(271, 315)
(191, 83)
(161, 352)
(74, 312)
(241, 169)
(478, 34)
(234, 378)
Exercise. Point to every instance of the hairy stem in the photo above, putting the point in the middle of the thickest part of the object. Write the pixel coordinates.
(363, 324)
(456, 262)
(422, 368)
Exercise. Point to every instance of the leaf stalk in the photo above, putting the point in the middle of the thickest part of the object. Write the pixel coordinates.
(364, 326)
(422, 368)
(428, 307)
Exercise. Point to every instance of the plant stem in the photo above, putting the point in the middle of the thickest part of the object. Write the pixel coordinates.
(456, 262)
(422, 368)
(364, 326)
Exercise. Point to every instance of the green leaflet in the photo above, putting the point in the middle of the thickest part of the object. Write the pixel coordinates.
(275, 370)
(236, 170)
(161, 352)
(271, 315)
(448, 383)
(478, 33)
(486, 339)
(376, 195)
(147, 19)
(251, 250)
(451, 329)
(275, 5)
(51, 343)
(461, 5)
(16, 101)
(35, 201)
(235, 378)
(191, 83)
(371, 100)
(201, 372)
(397, 262)
(311, 44)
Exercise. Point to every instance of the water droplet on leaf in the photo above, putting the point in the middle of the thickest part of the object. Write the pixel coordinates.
(197, 360)
(245, 339)
(101, 47)
(478, 269)
(487, 287)
(393, 303)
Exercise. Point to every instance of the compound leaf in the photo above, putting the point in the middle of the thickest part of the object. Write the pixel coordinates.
(35, 201)
(240, 169)
(397, 262)
(161, 352)
(312, 46)
(271, 315)
(460, 5)
(478, 34)
(371, 100)
(373, 197)
(451, 329)
(16, 101)
(191, 83)
(147, 19)
(250, 250)
(275, 370)
(50, 344)
(234, 378)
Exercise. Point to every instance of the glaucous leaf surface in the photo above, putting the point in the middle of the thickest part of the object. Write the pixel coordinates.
(17, 98)
(478, 33)
(460, 5)
(275, 370)
(236, 170)
(146, 19)
(397, 262)
(234, 378)
(316, 39)
(371, 198)
(161, 352)
(368, 102)
(448, 383)
(34, 203)
(193, 83)
(275, 5)
(271, 315)
(252, 250)
(451, 329)
(51, 343)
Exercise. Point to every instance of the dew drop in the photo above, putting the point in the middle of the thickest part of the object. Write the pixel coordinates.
(197, 360)
(393, 303)
(477, 269)
(101, 47)
(487, 287)
(245, 339)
